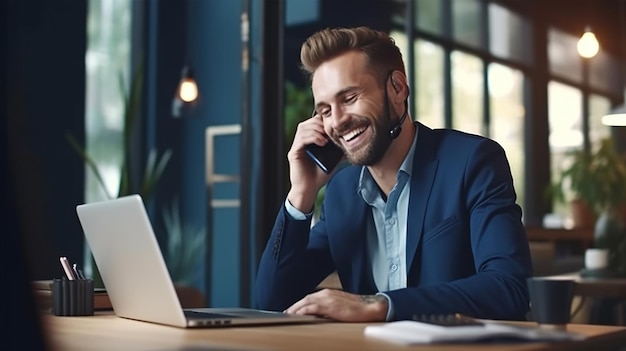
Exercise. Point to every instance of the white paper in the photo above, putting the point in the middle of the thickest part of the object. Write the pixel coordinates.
(412, 332)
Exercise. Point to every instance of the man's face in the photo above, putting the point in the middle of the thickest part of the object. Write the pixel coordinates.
(351, 101)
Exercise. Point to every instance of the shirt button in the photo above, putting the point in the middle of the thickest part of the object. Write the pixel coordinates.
(394, 267)
(392, 221)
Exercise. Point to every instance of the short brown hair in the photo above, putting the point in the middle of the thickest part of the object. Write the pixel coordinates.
(383, 56)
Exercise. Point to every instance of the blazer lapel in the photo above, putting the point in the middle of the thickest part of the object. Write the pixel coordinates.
(424, 169)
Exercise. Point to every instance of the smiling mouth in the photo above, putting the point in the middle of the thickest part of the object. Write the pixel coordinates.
(351, 135)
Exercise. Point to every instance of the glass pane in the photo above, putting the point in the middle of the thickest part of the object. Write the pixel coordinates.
(467, 18)
(564, 116)
(467, 93)
(598, 106)
(565, 123)
(602, 69)
(506, 90)
(429, 84)
(401, 42)
(510, 35)
(108, 56)
(428, 16)
(563, 57)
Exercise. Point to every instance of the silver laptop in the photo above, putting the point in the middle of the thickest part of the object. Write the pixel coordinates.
(136, 278)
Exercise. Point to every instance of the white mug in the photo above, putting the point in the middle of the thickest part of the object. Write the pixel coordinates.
(596, 259)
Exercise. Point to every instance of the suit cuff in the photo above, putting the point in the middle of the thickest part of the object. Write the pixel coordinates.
(295, 213)
(389, 316)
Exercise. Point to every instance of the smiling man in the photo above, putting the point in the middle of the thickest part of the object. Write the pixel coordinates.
(423, 221)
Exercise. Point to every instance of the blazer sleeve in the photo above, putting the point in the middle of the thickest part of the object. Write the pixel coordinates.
(295, 260)
(499, 247)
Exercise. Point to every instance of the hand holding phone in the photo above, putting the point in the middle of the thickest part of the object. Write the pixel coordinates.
(326, 157)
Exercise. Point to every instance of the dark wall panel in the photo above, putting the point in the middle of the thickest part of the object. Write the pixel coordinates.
(45, 99)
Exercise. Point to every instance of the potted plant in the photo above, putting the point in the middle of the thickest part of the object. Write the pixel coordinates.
(597, 178)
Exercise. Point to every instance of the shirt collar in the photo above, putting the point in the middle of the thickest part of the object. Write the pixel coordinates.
(368, 189)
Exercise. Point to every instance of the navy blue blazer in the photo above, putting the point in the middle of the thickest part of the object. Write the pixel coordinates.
(467, 250)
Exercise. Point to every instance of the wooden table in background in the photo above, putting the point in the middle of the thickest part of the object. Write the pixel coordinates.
(580, 236)
(108, 332)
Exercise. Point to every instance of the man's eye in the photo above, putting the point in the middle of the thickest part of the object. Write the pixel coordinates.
(325, 113)
(350, 99)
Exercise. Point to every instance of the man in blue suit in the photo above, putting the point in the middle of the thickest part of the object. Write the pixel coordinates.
(423, 222)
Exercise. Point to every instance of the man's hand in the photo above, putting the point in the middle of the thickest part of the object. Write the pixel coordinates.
(342, 306)
(306, 178)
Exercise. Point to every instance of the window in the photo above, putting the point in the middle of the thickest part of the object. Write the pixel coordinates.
(428, 16)
(510, 35)
(429, 84)
(565, 117)
(107, 57)
(467, 19)
(506, 97)
(467, 93)
(598, 106)
(565, 123)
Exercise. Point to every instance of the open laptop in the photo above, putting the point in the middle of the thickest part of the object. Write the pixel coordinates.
(136, 278)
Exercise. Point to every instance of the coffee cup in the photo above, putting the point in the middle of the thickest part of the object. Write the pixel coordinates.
(596, 259)
(551, 301)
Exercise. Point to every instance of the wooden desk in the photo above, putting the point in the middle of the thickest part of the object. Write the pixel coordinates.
(108, 332)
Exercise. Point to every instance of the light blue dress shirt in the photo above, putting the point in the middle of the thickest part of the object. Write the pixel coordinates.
(386, 233)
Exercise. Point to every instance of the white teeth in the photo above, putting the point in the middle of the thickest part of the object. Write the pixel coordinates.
(353, 134)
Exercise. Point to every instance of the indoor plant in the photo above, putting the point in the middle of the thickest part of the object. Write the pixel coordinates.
(184, 244)
(598, 178)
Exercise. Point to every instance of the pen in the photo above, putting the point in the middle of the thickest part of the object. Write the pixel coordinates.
(77, 272)
(66, 267)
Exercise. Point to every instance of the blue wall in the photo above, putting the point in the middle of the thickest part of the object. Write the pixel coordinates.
(214, 47)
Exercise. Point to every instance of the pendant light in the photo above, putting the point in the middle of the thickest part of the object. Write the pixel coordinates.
(588, 45)
(186, 93)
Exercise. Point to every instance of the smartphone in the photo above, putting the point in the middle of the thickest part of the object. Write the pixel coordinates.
(326, 157)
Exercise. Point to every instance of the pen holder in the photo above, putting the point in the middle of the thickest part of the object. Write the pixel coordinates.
(72, 297)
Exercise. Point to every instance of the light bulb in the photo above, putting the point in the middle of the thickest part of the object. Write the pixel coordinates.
(188, 91)
(588, 45)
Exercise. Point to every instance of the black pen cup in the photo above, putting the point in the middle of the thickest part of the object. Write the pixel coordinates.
(72, 297)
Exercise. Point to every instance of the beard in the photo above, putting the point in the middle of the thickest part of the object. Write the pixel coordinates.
(376, 147)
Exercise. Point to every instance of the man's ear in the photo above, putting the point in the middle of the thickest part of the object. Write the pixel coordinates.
(395, 84)
(398, 81)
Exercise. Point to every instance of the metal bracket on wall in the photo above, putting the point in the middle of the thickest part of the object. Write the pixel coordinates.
(211, 177)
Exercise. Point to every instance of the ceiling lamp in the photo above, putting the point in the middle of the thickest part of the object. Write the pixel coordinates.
(617, 116)
(186, 93)
(588, 45)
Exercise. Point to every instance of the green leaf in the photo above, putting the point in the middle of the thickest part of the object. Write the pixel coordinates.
(154, 171)
(185, 245)
(88, 160)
